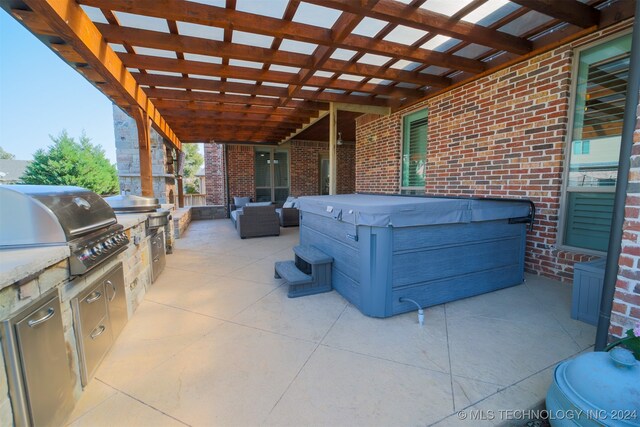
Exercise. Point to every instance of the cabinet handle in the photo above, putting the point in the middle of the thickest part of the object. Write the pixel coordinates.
(97, 332)
(50, 312)
(156, 259)
(109, 282)
(95, 296)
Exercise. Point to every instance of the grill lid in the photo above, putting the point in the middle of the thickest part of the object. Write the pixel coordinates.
(133, 204)
(49, 214)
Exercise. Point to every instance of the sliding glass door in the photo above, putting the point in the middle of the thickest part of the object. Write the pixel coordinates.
(272, 175)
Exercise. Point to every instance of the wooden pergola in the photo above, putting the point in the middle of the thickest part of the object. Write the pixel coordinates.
(260, 71)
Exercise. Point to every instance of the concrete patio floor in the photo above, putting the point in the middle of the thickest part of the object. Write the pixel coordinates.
(217, 342)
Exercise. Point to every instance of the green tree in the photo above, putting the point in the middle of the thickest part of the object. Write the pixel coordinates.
(68, 162)
(192, 160)
(6, 156)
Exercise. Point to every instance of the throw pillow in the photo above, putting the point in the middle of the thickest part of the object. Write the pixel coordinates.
(241, 201)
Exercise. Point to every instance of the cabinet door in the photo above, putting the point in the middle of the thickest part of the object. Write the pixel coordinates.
(116, 300)
(45, 365)
(93, 331)
(157, 255)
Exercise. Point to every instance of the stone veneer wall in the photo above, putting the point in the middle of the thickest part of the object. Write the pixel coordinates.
(128, 159)
(502, 135)
(626, 301)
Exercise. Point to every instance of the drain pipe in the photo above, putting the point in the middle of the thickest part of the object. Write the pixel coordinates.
(420, 310)
(615, 238)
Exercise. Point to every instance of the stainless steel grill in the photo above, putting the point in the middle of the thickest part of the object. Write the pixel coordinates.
(43, 215)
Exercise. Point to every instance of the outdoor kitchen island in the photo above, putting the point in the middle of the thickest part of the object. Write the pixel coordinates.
(28, 274)
(393, 252)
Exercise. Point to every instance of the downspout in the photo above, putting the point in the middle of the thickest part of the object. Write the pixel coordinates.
(225, 152)
(615, 238)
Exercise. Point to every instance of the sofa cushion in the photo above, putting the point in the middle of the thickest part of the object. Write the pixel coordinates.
(287, 204)
(241, 201)
(258, 204)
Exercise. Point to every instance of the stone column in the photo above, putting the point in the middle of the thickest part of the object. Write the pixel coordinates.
(128, 159)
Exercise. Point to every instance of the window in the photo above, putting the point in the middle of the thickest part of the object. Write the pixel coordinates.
(272, 175)
(414, 152)
(602, 73)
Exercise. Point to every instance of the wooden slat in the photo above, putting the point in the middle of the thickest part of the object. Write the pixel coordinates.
(196, 13)
(33, 21)
(181, 95)
(204, 84)
(184, 44)
(570, 11)
(172, 105)
(400, 14)
(233, 116)
(245, 73)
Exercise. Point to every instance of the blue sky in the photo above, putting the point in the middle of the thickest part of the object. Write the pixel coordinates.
(40, 95)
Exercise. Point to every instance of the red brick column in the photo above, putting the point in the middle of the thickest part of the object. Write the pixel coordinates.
(241, 173)
(215, 174)
(626, 300)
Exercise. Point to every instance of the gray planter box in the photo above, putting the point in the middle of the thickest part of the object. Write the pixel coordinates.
(587, 290)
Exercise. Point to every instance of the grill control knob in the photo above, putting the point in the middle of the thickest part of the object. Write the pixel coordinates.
(96, 250)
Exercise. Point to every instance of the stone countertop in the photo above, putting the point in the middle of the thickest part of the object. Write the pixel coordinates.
(130, 220)
(17, 264)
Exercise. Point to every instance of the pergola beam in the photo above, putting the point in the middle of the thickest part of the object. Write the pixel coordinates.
(188, 44)
(72, 24)
(184, 66)
(167, 95)
(322, 115)
(173, 105)
(223, 18)
(570, 11)
(422, 19)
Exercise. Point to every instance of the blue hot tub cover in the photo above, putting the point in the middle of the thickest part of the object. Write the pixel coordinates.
(400, 211)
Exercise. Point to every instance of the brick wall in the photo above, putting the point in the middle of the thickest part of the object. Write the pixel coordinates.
(378, 154)
(305, 166)
(626, 301)
(346, 171)
(502, 135)
(303, 169)
(241, 174)
(214, 166)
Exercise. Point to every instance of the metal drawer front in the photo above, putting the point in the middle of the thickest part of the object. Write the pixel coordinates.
(116, 301)
(43, 354)
(96, 342)
(92, 307)
(157, 255)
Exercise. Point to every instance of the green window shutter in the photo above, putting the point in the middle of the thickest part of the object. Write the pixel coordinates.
(601, 82)
(414, 149)
(589, 220)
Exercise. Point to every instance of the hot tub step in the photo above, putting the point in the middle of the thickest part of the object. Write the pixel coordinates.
(290, 273)
(305, 289)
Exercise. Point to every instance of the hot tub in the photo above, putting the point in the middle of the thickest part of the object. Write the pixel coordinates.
(429, 249)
